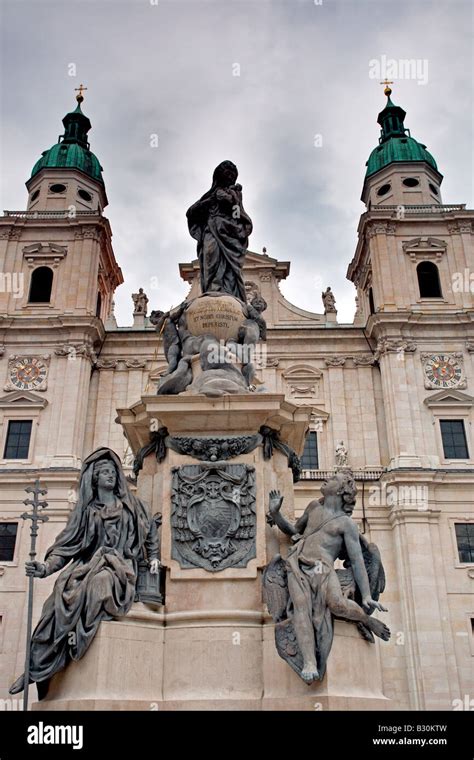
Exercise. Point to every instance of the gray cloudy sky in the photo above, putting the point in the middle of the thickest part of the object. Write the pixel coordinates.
(166, 67)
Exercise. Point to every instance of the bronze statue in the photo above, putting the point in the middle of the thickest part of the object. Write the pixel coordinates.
(100, 549)
(304, 592)
(221, 227)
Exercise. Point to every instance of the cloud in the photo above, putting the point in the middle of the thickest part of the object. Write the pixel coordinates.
(168, 69)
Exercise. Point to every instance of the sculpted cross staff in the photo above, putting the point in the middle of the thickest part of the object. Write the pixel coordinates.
(35, 518)
(98, 553)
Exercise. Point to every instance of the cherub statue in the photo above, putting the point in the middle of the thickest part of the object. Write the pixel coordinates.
(252, 330)
(304, 592)
(166, 327)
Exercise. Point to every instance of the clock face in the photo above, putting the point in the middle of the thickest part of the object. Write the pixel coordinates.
(28, 373)
(443, 371)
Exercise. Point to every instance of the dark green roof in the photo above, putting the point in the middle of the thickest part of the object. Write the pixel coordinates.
(72, 149)
(395, 142)
(398, 149)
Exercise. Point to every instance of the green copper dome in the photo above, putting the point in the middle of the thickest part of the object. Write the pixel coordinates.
(72, 148)
(395, 142)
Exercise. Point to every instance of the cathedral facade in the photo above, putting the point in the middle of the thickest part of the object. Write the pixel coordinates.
(390, 396)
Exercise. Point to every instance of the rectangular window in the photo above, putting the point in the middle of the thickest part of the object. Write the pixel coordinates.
(465, 540)
(18, 439)
(7, 541)
(309, 460)
(454, 439)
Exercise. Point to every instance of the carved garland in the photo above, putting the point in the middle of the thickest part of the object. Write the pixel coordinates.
(214, 449)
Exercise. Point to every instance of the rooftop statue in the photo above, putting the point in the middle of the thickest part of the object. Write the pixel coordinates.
(329, 301)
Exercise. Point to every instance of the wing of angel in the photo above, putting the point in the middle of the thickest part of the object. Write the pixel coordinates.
(376, 575)
(374, 567)
(275, 588)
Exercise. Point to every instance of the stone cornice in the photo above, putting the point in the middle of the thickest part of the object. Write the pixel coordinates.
(424, 247)
(382, 323)
(459, 217)
(400, 516)
(50, 254)
(425, 475)
(256, 264)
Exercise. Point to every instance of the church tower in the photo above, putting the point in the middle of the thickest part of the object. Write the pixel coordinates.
(400, 170)
(418, 311)
(59, 276)
(410, 254)
(68, 176)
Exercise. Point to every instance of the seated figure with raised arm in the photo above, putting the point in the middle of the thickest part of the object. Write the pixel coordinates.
(304, 592)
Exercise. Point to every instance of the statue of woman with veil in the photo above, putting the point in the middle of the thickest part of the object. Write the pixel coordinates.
(99, 549)
(221, 227)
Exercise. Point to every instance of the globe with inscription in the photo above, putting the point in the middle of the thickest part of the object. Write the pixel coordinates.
(219, 315)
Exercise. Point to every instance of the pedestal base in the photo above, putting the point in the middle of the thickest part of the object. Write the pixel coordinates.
(219, 660)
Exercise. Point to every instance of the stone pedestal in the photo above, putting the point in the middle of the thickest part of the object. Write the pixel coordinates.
(211, 646)
(210, 660)
(139, 321)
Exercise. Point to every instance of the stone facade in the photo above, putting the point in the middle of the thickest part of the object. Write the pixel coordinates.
(362, 383)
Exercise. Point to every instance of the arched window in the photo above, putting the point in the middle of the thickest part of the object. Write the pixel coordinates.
(98, 308)
(371, 301)
(428, 280)
(41, 284)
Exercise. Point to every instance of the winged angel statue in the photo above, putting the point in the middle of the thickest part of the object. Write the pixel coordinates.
(304, 592)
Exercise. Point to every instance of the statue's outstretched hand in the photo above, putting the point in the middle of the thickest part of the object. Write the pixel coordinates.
(35, 569)
(276, 500)
(370, 605)
(154, 566)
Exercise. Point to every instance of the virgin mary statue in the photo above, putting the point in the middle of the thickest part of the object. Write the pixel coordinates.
(221, 227)
(99, 549)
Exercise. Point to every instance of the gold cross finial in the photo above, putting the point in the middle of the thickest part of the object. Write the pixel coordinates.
(387, 89)
(80, 90)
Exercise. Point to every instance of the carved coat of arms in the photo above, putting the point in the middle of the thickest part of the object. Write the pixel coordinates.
(213, 516)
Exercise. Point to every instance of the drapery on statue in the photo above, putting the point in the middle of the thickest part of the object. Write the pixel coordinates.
(221, 227)
(304, 592)
(99, 549)
(341, 455)
(329, 302)
(140, 302)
